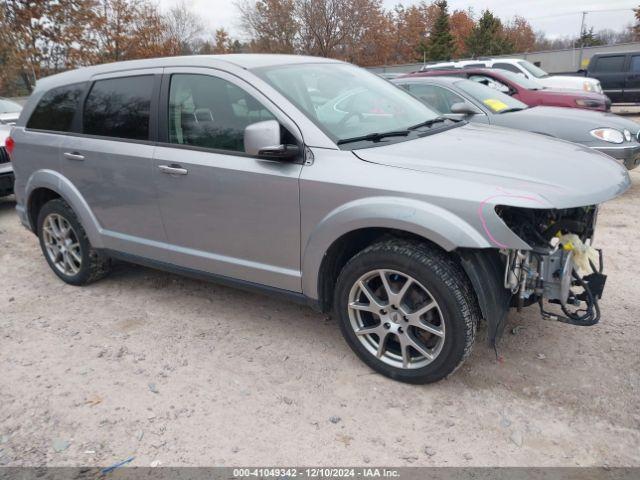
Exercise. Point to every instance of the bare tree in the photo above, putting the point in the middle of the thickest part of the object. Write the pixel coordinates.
(322, 25)
(183, 29)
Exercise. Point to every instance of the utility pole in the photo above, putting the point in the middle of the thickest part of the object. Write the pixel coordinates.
(584, 14)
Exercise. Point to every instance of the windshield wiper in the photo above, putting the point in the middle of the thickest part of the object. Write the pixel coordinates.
(374, 137)
(429, 123)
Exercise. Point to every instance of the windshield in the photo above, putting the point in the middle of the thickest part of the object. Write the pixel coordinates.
(532, 69)
(495, 101)
(7, 106)
(346, 101)
(521, 80)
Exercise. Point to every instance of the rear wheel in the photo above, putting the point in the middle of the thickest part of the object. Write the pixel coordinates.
(66, 247)
(407, 311)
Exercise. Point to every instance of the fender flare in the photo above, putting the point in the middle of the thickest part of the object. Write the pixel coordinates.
(428, 221)
(61, 185)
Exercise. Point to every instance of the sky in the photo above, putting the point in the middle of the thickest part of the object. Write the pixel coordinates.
(557, 18)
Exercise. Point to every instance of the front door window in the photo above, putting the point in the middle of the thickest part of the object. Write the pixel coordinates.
(210, 112)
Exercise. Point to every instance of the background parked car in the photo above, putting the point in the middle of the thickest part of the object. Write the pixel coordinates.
(9, 111)
(6, 169)
(619, 74)
(528, 91)
(527, 70)
(461, 98)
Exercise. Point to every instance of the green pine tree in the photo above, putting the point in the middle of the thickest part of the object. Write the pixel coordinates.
(487, 37)
(440, 45)
(590, 39)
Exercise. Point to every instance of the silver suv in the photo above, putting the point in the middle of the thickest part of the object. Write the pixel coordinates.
(317, 180)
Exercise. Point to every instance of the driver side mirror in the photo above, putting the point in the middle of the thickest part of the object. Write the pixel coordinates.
(464, 108)
(263, 139)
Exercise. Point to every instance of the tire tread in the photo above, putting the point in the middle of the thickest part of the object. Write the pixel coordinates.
(448, 270)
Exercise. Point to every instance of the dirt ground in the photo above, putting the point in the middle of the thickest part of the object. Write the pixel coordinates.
(174, 371)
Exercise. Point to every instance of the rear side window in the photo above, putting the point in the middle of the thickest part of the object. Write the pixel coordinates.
(635, 64)
(56, 109)
(119, 108)
(611, 64)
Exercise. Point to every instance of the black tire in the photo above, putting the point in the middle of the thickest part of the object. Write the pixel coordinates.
(448, 285)
(94, 265)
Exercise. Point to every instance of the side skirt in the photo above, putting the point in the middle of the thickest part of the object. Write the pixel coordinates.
(288, 295)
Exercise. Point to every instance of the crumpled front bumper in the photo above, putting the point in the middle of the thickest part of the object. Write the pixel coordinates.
(629, 155)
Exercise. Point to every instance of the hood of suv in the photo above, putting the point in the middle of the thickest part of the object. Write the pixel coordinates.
(567, 82)
(563, 173)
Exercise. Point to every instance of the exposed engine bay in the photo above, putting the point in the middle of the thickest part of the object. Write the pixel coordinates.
(561, 267)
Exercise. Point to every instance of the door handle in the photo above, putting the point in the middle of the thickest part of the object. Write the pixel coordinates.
(73, 156)
(173, 169)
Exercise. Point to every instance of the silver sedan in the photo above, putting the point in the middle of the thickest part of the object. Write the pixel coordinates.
(468, 100)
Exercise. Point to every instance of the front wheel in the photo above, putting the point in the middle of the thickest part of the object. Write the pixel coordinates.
(407, 310)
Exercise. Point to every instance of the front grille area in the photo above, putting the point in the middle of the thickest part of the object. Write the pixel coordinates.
(4, 156)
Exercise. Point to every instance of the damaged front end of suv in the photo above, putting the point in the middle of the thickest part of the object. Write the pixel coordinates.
(559, 269)
(532, 213)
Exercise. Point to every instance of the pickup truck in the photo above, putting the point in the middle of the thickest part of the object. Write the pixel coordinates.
(619, 75)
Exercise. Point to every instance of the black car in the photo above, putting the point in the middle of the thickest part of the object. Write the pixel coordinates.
(619, 75)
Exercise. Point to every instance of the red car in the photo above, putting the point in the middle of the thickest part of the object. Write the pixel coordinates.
(524, 89)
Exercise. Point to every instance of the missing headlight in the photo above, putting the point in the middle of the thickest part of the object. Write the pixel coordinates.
(538, 227)
(561, 266)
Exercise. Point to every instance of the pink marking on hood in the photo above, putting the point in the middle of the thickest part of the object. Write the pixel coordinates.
(507, 195)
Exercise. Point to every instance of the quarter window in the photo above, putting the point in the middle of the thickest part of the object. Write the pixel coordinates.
(56, 109)
(612, 64)
(210, 112)
(119, 107)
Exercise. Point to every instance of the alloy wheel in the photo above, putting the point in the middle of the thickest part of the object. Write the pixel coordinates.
(396, 319)
(62, 244)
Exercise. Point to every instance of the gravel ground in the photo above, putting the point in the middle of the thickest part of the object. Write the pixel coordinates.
(175, 372)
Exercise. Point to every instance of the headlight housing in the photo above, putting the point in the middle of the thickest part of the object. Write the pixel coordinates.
(592, 87)
(589, 103)
(610, 135)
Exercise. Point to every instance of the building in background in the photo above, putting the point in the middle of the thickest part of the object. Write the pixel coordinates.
(552, 61)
